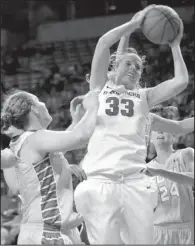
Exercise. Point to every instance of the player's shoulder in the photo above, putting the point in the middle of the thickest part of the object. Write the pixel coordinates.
(187, 157)
(187, 152)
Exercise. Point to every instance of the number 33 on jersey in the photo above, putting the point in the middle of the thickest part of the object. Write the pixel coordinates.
(129, 108)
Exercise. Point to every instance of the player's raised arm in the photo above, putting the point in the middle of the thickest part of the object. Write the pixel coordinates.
(159, 123)
(54, 141)
(101, 56)
(123, 45)
(77, 112)
(7, 158)
(172, 87)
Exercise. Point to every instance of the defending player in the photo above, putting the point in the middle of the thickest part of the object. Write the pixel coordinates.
(116, 192)
(45, 183)
(174, 214)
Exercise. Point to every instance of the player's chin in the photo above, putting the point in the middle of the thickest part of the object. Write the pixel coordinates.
(128, 82)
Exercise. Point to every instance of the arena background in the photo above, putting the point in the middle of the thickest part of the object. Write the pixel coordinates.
(47, 47)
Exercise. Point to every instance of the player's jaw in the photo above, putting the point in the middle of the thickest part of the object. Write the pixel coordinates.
(160, 138)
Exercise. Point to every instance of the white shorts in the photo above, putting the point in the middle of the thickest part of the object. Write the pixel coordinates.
(32, 234)
(181, 234)
(116, 212)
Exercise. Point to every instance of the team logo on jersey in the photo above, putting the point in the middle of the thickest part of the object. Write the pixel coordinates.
(129, 93)
(108, 87)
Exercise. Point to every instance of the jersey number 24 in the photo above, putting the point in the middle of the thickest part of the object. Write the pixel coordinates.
(166, 194)
(114, 109)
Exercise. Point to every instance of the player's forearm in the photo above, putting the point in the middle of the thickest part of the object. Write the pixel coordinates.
(71, 127)
(187, 125)
(123, 44)
(86, 125)
(111, 37)
(180, 69)
(184, 178)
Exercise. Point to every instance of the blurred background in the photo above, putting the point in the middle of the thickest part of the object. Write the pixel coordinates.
(47, 48)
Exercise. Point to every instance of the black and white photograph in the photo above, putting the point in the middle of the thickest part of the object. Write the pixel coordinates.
(97, 122)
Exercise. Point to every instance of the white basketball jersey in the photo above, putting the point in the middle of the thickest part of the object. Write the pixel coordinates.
(175, 202)
(118, 144)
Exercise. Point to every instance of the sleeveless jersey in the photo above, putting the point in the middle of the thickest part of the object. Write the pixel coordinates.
(45, 188)
(175, 202)
(118, 144)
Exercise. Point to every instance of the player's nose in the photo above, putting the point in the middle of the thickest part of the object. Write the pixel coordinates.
(132, 68)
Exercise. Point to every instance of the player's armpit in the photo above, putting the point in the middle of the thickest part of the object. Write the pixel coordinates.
(164, 91)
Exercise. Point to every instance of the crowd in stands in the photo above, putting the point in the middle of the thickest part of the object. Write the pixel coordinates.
(56, 77)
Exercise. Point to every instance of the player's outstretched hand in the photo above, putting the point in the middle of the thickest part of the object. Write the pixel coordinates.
(76, 109)
(177, 40)
(140, 16)
(91, 101)
(151, 172)
(78, 172)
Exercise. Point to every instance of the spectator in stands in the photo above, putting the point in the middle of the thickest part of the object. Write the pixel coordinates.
(10, 64)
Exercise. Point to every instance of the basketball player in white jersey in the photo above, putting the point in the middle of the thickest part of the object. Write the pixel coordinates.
(174, 214)
(115, 200)
(45, 184)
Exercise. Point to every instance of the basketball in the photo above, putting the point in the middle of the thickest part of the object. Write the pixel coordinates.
(161, 24)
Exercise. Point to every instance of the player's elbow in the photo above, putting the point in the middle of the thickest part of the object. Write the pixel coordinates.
(183, 80)
(102, 43)
(180, 84)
